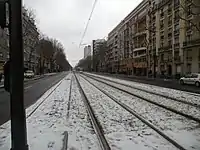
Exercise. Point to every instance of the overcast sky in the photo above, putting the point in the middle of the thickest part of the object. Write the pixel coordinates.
(65, 20)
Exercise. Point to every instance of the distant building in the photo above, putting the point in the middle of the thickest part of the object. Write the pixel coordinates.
(87, 51)
(95, 45)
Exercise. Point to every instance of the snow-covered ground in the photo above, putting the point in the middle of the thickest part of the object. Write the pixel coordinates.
(184, 108)
(121, 129)
(174, 125)
(182, 95)
(47, 124)
(57, 113)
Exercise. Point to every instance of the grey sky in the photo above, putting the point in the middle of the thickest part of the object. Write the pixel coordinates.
(65, 20)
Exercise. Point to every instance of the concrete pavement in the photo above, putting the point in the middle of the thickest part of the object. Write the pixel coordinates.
(33, 90)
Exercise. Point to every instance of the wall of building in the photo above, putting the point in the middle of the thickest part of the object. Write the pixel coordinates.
(157, 37)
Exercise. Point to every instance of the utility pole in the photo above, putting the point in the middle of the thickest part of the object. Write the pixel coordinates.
(18, 116)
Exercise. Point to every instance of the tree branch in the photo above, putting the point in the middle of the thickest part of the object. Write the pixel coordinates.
(193, 24)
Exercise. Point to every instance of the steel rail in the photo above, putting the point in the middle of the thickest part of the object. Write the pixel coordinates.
(95, 123)
(150, 101)
(133, 112)
(150, 92)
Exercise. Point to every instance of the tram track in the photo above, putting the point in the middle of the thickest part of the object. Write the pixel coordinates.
(141, 118)
(150, 92)
(95, 123)
(188, 116)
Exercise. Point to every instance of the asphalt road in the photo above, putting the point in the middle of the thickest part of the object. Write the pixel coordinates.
(33, 90)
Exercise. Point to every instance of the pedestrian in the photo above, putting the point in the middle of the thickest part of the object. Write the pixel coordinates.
(7, 76)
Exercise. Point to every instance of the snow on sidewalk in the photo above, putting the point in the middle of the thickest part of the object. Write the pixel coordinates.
(45, 127)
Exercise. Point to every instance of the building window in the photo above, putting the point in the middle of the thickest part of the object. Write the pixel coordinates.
(162, 57)
(189, 37)
(169, 35)
(199, 55)
(189, 68)
(161, 13)
(169, 20)
(176, 39)
(161, 24)
(162, 43)
(169, 9)
(176, 3)
(169, 42)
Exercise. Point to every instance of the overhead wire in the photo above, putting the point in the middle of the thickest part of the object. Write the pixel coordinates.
(86, 27)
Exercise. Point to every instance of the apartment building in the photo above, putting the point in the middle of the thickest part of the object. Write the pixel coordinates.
(174, 37)
(128, 42)
(158, 36)
(113, 52)
(87, 51)
(31, 39)
(95, 45)
(98, 54)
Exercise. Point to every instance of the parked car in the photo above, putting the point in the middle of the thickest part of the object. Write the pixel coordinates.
(193, 78)
(29, 74)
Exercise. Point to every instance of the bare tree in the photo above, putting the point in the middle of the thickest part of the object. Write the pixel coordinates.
(190, 7)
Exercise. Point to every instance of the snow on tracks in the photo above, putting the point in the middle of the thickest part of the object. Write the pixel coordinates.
(169, 122)
(122, 129)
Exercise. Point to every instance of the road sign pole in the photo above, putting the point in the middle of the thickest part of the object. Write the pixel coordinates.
(18, 116)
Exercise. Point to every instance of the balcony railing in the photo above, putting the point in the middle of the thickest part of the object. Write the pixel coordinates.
(191, 43)
(189, 58)
(176, 5)
(139, 48)
(176, 45)
(141, 55)
(176, 32)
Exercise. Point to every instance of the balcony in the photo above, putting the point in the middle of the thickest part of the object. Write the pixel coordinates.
(139, 49)
(138, 56)
(139, 33)
(176, 32)
(176, 45)
(176, 4)
(165, 49)
(191, 43)
(162, 15)
(161, 26)
(177, 59)
(189, 58)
